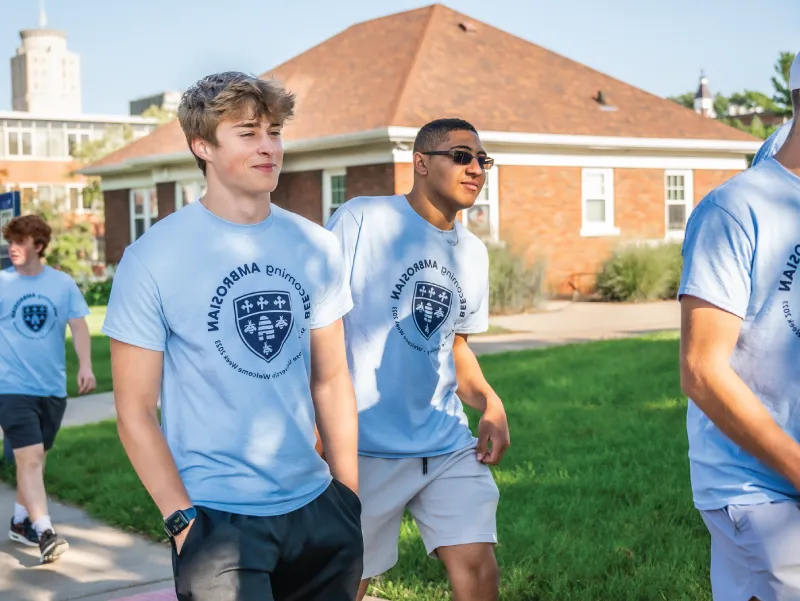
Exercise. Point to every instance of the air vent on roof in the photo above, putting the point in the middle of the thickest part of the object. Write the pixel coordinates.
(602, 100)
(467, 27)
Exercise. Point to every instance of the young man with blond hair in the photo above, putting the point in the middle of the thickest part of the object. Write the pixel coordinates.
(37, 303)
(420, 282)
(231, 311)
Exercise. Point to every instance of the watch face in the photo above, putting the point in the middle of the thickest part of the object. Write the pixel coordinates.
(176, 523)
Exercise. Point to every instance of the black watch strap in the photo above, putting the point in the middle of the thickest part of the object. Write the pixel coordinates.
(178, 521)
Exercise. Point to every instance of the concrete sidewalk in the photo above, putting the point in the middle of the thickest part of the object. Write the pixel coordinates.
(105, 564)
(568, 323)
(102, 563)
(558, 323)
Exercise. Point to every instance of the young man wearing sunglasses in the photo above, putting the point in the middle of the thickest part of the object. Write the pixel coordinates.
(420, 284)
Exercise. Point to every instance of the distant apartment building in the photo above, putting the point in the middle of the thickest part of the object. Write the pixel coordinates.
(167, 101)
(45, 75)
(41, 136)
(38, 153)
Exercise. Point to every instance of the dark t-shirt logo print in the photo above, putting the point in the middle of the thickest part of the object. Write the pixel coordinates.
(34, 316)
(431, 306)
(264, 320)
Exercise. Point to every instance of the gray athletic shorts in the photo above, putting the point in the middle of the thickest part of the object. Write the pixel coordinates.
(755, 551)
(452, 498)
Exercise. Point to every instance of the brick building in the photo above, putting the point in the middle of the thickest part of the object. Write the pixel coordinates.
(40, 138)
(582, 160)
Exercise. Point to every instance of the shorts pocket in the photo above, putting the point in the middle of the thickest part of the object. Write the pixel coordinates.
(191, 537)
(349, 497)
(738, 516)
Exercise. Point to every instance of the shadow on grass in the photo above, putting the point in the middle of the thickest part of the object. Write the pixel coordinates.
(101, 365)
(595, 496)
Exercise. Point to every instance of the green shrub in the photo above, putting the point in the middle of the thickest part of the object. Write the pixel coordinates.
(96, 293)
(641, 273)
(514, 286)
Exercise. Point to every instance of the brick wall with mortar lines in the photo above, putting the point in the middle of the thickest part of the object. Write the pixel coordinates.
(541, 217)
(403, 178)
(370, 180)
(118, 223)
(707, 180)
(301, 193)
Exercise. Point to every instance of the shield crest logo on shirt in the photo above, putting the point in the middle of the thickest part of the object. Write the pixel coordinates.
(264, 320)
(431, 306)
(34, 316)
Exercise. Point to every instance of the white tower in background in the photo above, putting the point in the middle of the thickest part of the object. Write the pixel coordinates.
(703, 100)
(45, 75)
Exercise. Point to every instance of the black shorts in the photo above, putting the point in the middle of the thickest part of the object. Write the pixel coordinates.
(312, 554)
(29, 420)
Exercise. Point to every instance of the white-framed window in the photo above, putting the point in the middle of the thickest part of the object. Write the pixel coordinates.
(334, 191)
(483, 218)
(60, 196)
(65, 198)
(143, 210)
(34, 195)
(597, 202)
(75, 199)
(76, 139)
(19, 140)
(99, 249)
(28, 195)
(678, 195)
(188, 191)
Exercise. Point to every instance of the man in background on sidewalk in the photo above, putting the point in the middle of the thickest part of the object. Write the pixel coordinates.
(420, 285)
(36, 305)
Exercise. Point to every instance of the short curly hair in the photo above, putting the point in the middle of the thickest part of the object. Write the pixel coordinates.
(434, 133)
(28, 226)
(230, 95)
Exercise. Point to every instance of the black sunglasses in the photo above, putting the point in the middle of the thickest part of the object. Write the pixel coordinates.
(462, 157)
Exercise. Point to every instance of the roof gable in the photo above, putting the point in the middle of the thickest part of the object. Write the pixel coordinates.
(501, 82)
(412, 67)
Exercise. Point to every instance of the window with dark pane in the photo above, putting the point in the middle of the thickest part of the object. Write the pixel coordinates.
(338, 192)
(676, 216)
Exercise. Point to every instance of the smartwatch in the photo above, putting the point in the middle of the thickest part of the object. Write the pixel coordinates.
(178, 521)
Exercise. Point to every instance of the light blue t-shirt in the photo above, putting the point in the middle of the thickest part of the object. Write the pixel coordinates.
(741, 253)
(773, 144)
(34, 311)
(414, 287)
(232, 307)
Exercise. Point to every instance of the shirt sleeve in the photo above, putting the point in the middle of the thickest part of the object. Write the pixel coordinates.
(135, 314)
(77, 303)
(347, 229)
(478, 320)
(717, 259)
(335, 299)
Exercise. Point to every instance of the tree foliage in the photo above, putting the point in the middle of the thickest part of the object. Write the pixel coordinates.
(780, 103)
(72, 242)
(686, 99)
(159, 113)
(783, 96)
(94, 150)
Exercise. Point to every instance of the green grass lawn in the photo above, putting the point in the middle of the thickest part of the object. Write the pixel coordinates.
(101, 360)
(494, 330)
(595, 497)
